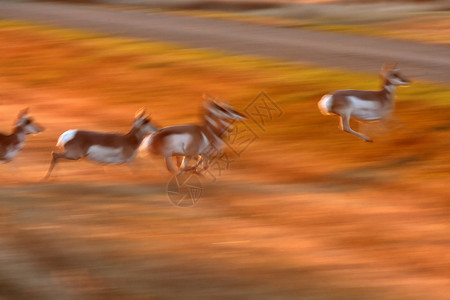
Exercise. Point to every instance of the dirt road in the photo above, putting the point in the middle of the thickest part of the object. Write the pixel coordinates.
(428, 62)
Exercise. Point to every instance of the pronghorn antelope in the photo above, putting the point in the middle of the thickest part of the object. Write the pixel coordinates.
(106, 148)
(10, 145)
(188, 141)
(364, 105)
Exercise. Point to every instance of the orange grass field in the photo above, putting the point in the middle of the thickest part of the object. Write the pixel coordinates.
(305, 212)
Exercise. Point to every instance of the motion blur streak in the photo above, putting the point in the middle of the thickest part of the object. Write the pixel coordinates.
(302, 210)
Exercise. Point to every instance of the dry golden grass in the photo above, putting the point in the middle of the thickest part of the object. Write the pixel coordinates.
(306, 212)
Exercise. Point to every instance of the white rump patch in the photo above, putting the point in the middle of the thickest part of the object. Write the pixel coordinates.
(106, 155)
(325, 104)
(65, 137)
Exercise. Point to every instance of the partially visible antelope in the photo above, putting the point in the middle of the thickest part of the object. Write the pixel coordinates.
(10, 145)
(106, 148)
(364, 105)
(188, 141)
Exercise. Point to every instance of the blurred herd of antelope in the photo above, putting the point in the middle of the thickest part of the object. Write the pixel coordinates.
(194, 141)
(183, 142)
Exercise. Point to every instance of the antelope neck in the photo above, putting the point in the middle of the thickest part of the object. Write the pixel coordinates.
(216, 125)
(214, 133)
(388, 89)
(135, 135)
(19, 133)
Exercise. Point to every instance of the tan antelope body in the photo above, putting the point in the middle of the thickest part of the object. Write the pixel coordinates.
(188, 141)
(10, 145)
(105, 148)
(364, 105)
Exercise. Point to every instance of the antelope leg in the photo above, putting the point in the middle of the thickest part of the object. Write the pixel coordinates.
(169, 164)
(345, 126)
(180, 160)
(55, 157)
(185, 164)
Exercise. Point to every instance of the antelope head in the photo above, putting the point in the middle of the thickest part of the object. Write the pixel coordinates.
(222, 109)
(27, 123)
(233, 114)
(393, 76)
(143, 122)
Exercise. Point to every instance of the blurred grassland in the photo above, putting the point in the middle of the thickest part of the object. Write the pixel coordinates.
(93, 79)
(306, 212)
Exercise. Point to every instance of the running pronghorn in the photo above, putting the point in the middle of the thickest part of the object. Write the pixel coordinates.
(188, 141)
(10, 145)
(364, 105)
(106, 148)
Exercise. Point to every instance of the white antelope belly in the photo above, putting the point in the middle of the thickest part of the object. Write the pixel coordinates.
(366, 110)
(106, 155)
